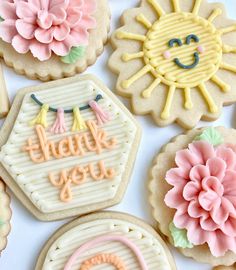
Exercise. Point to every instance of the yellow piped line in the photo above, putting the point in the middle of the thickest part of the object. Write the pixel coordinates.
(127, 83)
(228, 67)
(229, 49)
(196, 7)
(211, 104)
(147, 92)
(157, 7)
(176, 5)
(166, 112)
(228, 29)
(188, 101)
(142, 19)
(126, 35)
(130, 56)
(223, 86)
(215, 13)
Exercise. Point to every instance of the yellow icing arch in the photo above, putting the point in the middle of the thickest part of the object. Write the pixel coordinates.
(179, 25)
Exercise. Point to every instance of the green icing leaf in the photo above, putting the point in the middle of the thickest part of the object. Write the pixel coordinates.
(74, 55)
(180, 237)
(1, 222)
(210, 135)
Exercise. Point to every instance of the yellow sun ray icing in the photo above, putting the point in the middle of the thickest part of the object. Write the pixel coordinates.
(223, 86)
(211, 104)
(228, 29)
(130, 56)
(229, 49)
(188, 101)
(176, 5)
(196, 7)
(127, 83)
(126, 35)
(228, 67)
(166, 112)
(147, 92)
(215, 13)
(142, 19)
(157, 7)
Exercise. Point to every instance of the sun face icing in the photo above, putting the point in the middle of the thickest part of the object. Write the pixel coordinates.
(181, 50)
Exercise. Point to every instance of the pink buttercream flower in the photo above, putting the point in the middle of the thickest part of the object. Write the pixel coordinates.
(204, 195)
(46, 26)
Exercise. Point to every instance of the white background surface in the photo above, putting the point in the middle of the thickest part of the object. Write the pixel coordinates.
(28, 235)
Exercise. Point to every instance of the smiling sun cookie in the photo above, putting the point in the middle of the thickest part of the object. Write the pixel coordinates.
(52, 39)
(176, 60)
(5, 216)
(68, 148)
(192, 194)
(105, 241)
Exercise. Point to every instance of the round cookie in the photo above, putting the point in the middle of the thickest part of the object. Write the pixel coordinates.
(53, 41)
(192, 194)
(105, 239)
(176, 60)
(5, 216)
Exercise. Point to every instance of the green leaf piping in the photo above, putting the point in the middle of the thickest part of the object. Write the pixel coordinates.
(210, 135)
(179, 237)
(74, 55)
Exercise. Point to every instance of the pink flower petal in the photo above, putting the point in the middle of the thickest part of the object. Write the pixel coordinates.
(7, 10)
(229, 183)
(40, 51)
(195, 210)
(229, 227)
(177, 176)
(88, 21)
(80, 36)
(203, 150)
(20, 44)
(198, 172)
(227, 154)
(216, 167)
(74, 16)
(195, 234)
(212, 183)
(45, 19)
(8, 30)
(208, 200)
(60, 48)
(26, 30)
(24, 11)
(191, 190)
(44, 36)
(207, 224)
(174, 199)
(90, 6)
(181, 220)
(220, 212)
(60, 32)
(58, 14)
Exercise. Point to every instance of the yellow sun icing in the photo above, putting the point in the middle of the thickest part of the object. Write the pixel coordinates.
(193, 68)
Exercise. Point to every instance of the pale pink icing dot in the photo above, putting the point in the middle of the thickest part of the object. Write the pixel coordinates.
(204, 195)
(167, 54)
(201, 48)
(46, 26)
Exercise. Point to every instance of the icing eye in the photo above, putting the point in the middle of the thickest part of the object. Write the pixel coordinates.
(167, 54)
(173, 41)
(201, 49)
(192, 37)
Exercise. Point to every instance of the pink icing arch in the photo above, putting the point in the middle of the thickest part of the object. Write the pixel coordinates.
(46, 26)
(204, 195)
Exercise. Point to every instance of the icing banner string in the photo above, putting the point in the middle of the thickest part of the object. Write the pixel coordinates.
(78, 122)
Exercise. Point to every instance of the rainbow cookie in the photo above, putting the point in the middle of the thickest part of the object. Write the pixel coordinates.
(5, 216)
(50, 39)
(106, 240)
(68, 147)
(176, 60)
(192, 194)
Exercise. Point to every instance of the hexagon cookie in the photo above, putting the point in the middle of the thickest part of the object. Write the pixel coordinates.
(68, 148)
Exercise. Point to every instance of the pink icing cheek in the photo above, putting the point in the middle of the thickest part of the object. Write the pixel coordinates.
(201, 48)
(167, 54)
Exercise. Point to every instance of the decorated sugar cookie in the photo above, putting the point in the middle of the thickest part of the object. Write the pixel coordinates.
(52, 39)
(106, 240)
(68, 148)
(176, 60)
(5, 216)
(192, 194)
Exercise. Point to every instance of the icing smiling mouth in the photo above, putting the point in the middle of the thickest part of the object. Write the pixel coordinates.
(193, 65)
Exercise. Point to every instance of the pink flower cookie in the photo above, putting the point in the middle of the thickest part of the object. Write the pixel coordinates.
(196, 204)
(48, 30)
